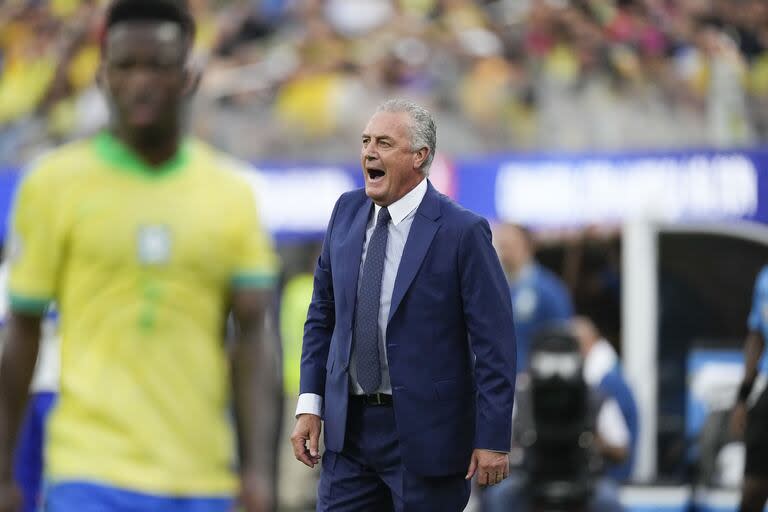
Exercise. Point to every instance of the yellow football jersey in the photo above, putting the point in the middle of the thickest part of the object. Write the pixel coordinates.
(141, 263)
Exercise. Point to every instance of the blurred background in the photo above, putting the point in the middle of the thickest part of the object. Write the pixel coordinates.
(296, 78)
(630, 136)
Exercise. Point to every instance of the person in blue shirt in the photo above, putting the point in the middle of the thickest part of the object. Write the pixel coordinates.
(753, 422)
(539, 296)
(602, 371)
(564, 440)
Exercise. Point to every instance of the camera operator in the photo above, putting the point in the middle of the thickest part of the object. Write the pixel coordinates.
(564, 434)
(602, 371)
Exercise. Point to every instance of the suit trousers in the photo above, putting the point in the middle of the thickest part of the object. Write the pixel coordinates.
(368, 474)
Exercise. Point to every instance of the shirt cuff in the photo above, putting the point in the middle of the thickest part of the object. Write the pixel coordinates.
(309, 403)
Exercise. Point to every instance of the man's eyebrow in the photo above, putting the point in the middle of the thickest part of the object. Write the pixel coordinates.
(379, 137)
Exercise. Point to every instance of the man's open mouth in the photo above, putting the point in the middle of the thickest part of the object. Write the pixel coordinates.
(375, 174)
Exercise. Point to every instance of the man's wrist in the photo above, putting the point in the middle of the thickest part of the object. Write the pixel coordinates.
(504, 452)
(309, 403)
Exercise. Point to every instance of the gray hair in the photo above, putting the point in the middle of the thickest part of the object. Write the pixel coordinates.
(423, 128)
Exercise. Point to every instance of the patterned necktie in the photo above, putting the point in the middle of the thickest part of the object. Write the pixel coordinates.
(367, 311)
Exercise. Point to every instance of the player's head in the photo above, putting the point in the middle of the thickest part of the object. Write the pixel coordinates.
(144, 74)
(515, 246)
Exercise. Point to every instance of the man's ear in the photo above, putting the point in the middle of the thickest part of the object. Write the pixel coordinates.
(192, 77)
(420, 157)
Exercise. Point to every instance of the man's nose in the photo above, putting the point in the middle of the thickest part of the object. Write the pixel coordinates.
(370, 153)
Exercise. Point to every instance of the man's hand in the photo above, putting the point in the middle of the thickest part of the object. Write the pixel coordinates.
(10, 497)
(255, 494)
(739, 420)
(491, 467)
(611, 453)
(308, 427)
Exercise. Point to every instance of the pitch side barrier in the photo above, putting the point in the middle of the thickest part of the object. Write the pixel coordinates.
(542, 190)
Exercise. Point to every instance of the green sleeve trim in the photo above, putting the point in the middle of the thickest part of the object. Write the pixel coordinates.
(29, 305)
(254, 280)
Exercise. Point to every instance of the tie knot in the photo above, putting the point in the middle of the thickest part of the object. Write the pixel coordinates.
(383, 217)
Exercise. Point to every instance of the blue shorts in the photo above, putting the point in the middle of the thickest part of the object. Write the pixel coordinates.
(90, 497)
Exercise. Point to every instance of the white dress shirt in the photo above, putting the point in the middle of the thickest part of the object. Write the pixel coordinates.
(402, 213)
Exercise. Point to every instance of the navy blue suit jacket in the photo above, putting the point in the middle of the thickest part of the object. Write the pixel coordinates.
(450, 337)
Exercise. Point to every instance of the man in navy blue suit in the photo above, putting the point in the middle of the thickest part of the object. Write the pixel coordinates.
(409, 345)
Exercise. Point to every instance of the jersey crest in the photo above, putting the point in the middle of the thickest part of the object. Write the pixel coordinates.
(154, 244)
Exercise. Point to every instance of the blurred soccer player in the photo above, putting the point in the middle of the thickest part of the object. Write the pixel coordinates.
(602, 371)
(539, 297)
(28, 459)
(145, 241)
(754, 423)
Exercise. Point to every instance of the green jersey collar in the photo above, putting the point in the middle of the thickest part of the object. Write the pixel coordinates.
(115, 152)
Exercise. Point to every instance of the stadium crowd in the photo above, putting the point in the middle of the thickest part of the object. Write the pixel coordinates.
(289, 78)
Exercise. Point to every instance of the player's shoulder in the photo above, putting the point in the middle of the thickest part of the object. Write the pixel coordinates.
(224, 168)
(61, 163)
(228, 180)
(547, 275)
(762, 279)
(549, 282)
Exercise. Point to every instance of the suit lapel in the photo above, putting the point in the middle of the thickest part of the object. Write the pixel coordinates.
(352, 253)
(420, 237)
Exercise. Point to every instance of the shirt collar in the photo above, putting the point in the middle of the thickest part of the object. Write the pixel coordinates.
(111, 149)
(403, 207)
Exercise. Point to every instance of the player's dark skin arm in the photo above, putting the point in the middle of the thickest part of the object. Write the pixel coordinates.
(254, 372)
(754, 492)
(19, 355)
(753, 351)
